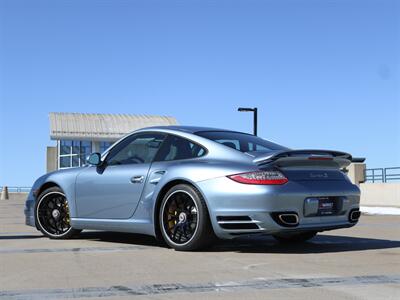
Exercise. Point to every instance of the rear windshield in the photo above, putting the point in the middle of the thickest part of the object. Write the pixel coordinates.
(241, 141)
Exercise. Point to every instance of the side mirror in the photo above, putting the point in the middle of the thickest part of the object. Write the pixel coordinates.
(94, 159)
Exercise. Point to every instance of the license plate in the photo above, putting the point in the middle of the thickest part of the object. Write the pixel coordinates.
(326, 206)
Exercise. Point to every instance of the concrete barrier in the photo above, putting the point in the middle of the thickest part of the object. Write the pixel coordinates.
(372, 194)
(380, 194)
(18, 196)
(356, 173)
(4, 193)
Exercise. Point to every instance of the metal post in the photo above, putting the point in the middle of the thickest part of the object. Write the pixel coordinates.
(384, 175)
(255, 121)
(255, 111)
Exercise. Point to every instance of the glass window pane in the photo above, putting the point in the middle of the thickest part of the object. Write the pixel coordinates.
(176, 148)
(65, 161)
(136, 149)
(75, 161)
(242, 142)
(83, 159)
(75, 147)
(86, 148)
(104, 146)
(65, 147)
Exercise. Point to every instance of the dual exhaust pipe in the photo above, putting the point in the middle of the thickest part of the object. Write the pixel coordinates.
(286, 219)
(291, 219)
(354, 215)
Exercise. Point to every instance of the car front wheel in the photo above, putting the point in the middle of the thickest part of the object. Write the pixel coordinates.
(184, 219)
(52, 214)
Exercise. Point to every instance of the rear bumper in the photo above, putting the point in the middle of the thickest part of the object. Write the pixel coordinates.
(253, 206)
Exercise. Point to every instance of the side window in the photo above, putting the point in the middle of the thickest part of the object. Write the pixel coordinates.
(136, 149)
(235, 144)
(175, 148)
(257, 147)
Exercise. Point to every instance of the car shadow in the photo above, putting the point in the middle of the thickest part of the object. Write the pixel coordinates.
(320, 244)
(323, 243)
(120, 238)
(20, 237)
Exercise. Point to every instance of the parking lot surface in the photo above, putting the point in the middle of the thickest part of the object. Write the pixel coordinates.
(362, 262)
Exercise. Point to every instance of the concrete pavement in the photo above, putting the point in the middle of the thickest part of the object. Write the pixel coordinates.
(362, 262)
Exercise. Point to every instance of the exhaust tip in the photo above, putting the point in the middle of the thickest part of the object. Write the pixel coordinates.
(354, 215)
(286, 219)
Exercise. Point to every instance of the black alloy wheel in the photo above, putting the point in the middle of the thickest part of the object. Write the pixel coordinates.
(184, 219)
(52, 214)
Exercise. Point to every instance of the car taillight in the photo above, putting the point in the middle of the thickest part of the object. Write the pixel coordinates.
(260, 177)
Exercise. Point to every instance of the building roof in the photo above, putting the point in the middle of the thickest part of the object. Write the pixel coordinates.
(104, 127)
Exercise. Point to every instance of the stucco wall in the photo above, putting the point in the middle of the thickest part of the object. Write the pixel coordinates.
(380, 194)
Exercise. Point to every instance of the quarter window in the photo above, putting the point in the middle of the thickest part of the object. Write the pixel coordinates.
(175, 148)
(241, 141)
(136, 149)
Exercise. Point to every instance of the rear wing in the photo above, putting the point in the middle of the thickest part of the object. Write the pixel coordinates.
(308, 157)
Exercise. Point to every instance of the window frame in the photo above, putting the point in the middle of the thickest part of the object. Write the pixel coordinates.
(71, 155)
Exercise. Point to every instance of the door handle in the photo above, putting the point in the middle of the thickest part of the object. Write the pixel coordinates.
(137, 179)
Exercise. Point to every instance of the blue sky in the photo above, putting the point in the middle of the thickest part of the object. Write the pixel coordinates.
(324, 74)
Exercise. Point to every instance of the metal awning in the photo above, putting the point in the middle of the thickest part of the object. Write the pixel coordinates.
(100, 127)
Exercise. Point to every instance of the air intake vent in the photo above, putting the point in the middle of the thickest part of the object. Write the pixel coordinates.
(237, 223)
(239, 226)
(233, 218)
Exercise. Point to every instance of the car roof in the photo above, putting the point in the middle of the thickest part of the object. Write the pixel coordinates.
(189, 129)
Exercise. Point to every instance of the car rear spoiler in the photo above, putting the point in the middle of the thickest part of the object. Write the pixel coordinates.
(291, 156)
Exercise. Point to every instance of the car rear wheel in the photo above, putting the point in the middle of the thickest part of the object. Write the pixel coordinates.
(295, 237)
(184, 220)
(52, 214)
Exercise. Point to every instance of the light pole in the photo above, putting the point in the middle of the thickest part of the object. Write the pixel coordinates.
(254, 110)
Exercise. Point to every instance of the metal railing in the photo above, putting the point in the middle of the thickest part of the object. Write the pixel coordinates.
(382, 174)
(17, 189)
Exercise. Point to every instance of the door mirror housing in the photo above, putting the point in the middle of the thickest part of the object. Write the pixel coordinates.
(94, 159)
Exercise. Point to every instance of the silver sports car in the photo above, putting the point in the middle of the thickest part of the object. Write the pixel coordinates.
(187, 185)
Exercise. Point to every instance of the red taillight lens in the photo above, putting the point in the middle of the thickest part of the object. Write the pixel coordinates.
(260, 177)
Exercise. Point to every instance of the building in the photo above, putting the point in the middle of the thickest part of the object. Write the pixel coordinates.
(78, 134)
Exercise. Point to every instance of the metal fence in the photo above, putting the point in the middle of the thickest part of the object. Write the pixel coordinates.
(382, 174)
(17, 189)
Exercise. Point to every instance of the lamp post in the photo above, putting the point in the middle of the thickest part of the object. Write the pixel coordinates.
(254, 110)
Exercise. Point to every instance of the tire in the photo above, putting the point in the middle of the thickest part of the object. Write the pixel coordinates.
(52, 214)
(295, 238)
(184, 219)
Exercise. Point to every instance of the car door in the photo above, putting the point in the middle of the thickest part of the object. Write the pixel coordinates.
(113, 190)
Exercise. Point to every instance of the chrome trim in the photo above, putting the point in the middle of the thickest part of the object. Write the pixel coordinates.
(281, 216)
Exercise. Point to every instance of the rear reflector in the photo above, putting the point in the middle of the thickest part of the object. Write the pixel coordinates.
(260, 177)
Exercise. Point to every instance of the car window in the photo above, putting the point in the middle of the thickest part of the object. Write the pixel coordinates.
(136, 149)
(175, 148)
(241, 141)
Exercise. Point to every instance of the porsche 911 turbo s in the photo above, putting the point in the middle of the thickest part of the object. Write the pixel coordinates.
(187, 185)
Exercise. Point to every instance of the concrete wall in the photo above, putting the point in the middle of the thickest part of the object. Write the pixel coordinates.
(356, 172)
(372, 194)
(380, 194)
(51, 159)
(17, 197)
